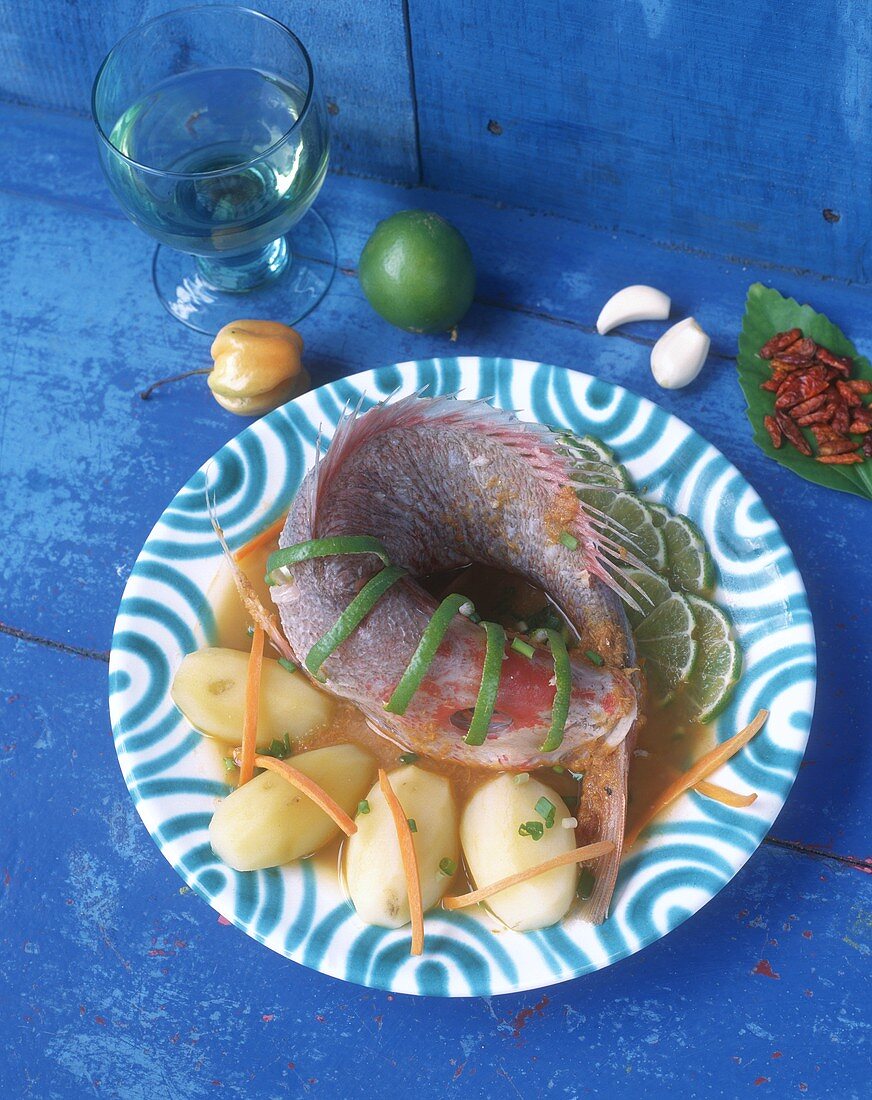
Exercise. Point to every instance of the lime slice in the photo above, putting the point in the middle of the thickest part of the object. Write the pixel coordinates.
(595, 463)
(719, 664)
(637, 531)
(659, 513)
(665, 640)
(653, 586)
(691, 568)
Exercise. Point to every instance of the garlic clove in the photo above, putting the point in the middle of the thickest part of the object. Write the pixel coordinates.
(678, 356)
(633, 303)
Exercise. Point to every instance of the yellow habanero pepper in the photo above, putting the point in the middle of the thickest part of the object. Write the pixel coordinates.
(257, 366)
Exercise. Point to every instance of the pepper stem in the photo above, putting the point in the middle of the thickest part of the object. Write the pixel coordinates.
(146, 393)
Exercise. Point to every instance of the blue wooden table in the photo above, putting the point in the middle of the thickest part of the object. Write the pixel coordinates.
(117, 981)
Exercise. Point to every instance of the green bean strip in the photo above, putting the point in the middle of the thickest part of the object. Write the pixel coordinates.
(560, 706)
(351, 618)
(490, 684)
(423, 656)
(324, 548)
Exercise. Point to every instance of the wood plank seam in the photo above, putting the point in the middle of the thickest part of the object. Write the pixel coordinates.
(819, 853)
(63, 647)
(410, 60)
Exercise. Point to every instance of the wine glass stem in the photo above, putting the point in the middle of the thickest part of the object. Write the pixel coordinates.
(236, 274)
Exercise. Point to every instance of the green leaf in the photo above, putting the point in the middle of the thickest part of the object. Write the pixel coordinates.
(767, 312)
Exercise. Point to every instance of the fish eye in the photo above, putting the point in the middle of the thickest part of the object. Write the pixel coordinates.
(462, 720)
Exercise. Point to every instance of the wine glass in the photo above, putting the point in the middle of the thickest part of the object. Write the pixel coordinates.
(214, 140)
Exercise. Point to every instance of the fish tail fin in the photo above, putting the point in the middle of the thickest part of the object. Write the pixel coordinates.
(605, 792)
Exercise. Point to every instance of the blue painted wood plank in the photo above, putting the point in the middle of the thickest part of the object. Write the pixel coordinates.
(729, 127)
(87, 467)
(117, 982)
(50, 53)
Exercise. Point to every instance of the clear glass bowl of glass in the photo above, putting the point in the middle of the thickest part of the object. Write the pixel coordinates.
(214, 140)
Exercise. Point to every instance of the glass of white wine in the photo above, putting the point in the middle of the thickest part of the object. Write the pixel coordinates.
(214, 140)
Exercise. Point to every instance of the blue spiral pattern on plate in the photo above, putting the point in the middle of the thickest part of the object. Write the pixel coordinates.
(691, 852)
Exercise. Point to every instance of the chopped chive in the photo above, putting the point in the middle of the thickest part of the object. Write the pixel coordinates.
(363, 806)
(229, 763)
(280, 749)
(569, 541)
(447, 866)
(522, 647)
(490, 684)
(545, 808)
(586, 883)
(559, 768)
(413, 828)
(532, 829)
(423, 656)
(351, 618)
(287, 665)
(521, 777)
(324, 548)
(408, 757)
(594, 657)
(560, 706)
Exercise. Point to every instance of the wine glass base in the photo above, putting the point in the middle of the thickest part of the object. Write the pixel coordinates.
(188, 297)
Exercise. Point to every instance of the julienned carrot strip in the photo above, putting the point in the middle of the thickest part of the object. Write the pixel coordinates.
(309, 788)
(410, 861)
(721, 794)
(703, 768)
(252, 706)
(268, 535)
(577, 855)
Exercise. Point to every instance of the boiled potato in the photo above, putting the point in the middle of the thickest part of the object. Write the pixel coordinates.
(209, 689)
(268, 822)
(493, 849)
(373, 865)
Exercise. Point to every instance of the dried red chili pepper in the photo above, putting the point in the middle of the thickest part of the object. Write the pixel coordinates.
(821, 416)
(799, 387)
(859, 427)
(775, 433)
(841, 419)
(841, 460)
(860, 385)
(840, 362)
(787, 363)
(806, 407)
(848, 394)
(778, 342)
(793, 433)
(838, 446)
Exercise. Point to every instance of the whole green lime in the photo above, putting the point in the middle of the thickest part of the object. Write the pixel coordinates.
(416, 270)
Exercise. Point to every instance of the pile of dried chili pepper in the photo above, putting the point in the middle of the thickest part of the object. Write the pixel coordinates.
(814, 389)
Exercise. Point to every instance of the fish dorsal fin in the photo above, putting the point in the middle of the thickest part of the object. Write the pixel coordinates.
(534, 443)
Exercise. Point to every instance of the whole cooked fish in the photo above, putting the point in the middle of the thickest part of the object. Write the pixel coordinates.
(442, 483)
